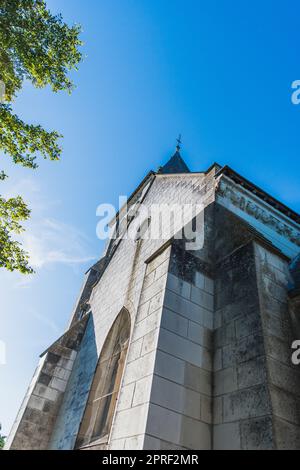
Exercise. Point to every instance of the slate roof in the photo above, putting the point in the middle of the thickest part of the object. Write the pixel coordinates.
(175, 165)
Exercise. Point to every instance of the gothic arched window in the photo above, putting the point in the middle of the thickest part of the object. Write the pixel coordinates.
(97, 419)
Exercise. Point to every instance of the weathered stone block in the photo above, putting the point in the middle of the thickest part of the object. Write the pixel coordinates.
(226, 437)
(174, 322)
(198, 379)
(252, 372)
(170, 367)
(202, 298)
(126, 397)
(150, 342)
(225, 381)
(286, 405)
(248, 325)
(184, 349)
(195, 434)
(248, 403)
(131, 422)
(135, 349)
(179, 286)
(224, 335)
(287, 435)
(200, 334)
(257, 434)
(278, 350)
(140, 368)
(142, 391)
(175, 397)
(164, 424)
(287, 378)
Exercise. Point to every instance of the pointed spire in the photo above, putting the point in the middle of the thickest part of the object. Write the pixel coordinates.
(176, 164)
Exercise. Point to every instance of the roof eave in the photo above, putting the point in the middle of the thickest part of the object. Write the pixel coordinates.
(273, 202)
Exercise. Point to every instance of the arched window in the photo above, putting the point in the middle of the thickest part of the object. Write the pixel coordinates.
(98, 415)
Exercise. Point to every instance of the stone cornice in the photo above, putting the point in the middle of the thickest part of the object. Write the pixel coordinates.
(260, 193)
(260, 210)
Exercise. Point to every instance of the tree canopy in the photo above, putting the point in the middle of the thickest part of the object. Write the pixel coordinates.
(2, 439)
(38, 46)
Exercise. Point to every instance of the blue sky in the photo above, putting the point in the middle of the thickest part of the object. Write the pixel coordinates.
(219, 72)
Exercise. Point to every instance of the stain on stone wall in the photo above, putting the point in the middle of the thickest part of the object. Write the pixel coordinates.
(74, 401)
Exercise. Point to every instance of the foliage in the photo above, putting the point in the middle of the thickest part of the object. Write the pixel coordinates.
(2, 439)
(39, 47)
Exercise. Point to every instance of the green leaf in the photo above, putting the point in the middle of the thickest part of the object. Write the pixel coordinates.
(36, 46)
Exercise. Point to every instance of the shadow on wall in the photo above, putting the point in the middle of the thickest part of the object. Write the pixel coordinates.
(76, 395)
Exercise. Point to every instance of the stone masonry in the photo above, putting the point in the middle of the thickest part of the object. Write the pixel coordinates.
(209, 358)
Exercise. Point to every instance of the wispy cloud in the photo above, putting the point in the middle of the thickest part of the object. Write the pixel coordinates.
(47, 240)
(50, 241)
(48, 322)
(31, 192)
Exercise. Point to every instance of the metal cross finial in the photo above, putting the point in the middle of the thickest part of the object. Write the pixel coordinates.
(178, 146)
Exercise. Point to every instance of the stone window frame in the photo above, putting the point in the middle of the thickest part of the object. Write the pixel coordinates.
(98, 416)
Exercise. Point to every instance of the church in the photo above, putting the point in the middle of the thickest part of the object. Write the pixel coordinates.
(179, 342)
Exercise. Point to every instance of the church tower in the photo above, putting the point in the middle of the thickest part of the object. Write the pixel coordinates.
(182, 340)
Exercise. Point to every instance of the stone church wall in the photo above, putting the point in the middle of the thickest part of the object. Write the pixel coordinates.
(208, 364)
(283, 376)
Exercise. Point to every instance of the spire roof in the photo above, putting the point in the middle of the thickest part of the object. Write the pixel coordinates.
(176, 164)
